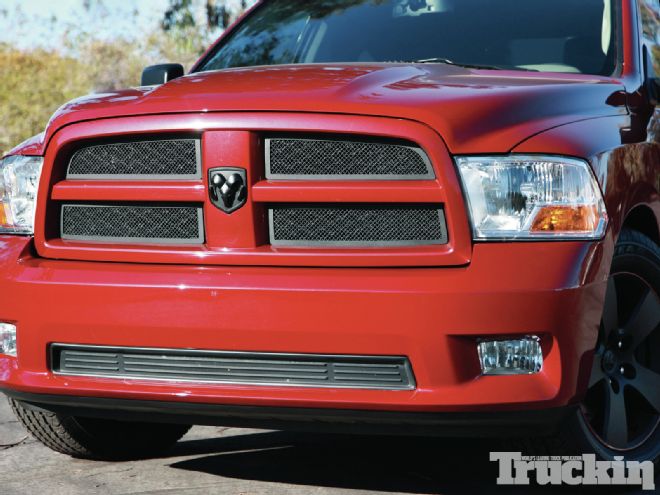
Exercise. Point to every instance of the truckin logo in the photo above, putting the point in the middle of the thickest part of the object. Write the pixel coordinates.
(228, 188)
(514, 469)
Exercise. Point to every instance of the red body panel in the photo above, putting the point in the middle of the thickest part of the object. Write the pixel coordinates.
(433, 316)
(429, 303)
(505, 107)
(229, 139)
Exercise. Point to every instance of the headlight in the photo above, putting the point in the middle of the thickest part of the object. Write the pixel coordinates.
(19, 180)
(532, 197)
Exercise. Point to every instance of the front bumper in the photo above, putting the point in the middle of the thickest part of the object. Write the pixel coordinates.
(431, 315)
(445, 424)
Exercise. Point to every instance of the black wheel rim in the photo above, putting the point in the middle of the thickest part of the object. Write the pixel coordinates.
(622, 404)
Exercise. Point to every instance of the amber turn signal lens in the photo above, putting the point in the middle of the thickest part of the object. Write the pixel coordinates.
(4, 217)
(566, 219)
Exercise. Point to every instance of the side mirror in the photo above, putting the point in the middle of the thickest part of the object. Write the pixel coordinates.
(652, 80)
(156, 75)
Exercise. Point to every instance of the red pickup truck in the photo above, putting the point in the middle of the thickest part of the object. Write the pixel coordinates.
(435, 217)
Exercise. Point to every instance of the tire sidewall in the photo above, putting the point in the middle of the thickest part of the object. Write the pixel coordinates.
(636, 254)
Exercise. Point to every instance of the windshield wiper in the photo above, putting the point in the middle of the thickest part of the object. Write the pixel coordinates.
(440, 60)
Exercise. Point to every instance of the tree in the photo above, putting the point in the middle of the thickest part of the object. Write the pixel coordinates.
(37, 85)
(181, 14)
(189, 26)
(651, 24)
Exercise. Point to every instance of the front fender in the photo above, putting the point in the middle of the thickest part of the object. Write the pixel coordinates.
(628, 170)
(30, 147)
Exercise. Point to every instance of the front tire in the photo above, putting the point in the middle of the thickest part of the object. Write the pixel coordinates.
(97, 439)
(620, 413)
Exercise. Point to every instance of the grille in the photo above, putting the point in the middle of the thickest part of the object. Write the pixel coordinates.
(357, 225)
(314, 370)
(133, 224)
(288, 158)
(163, 159)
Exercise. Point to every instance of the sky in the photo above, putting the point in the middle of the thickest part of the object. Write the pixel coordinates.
(109, 18)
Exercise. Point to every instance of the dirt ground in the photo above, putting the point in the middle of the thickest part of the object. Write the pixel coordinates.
(237, 461)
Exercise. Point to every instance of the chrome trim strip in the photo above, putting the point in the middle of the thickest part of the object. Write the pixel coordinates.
(407, 367)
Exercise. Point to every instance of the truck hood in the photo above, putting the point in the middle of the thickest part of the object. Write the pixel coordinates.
(473, 110)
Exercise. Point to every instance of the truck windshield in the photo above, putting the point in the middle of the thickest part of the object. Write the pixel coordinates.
(543, 35)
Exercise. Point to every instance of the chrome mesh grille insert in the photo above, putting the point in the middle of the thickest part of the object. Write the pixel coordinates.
(289, 158)
(357, 225)
(158, 159)
(312, 370)
(133, 224)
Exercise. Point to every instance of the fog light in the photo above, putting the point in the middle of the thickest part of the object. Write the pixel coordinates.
(510, 357)
(8, 339)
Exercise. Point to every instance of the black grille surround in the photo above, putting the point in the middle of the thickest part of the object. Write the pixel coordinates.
(164, 159)
(135, 224)
(305, 370)
(344, 159)
(368, 225)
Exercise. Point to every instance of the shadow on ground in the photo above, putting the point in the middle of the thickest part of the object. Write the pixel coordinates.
(402, 465)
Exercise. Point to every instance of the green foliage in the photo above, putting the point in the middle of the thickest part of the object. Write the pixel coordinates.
(38, 80)
(179, 15)
(41, 80)
(651, 25)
